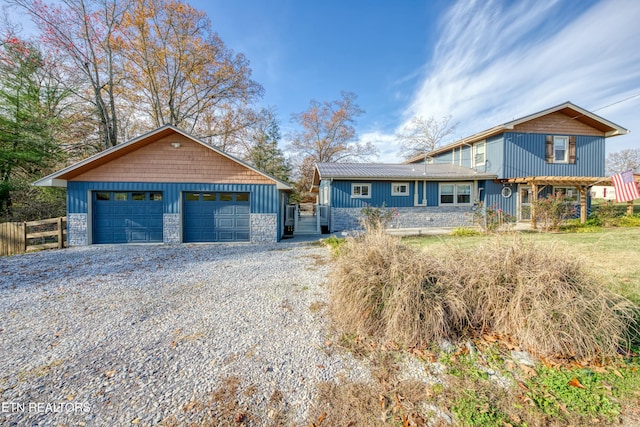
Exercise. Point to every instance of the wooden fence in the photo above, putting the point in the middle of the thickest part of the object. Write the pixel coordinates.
(20, 237)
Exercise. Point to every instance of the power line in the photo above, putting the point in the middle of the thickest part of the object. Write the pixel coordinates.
(618, 102)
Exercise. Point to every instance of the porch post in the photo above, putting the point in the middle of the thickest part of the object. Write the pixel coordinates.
(630, 207)
(534, 193)
(583, 203)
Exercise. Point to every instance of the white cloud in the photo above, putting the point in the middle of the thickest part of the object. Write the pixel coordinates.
(496, 61)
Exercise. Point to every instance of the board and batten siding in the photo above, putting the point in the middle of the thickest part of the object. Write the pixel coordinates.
(524, 155)
(380, 194)
(160, 161)
(264, 198)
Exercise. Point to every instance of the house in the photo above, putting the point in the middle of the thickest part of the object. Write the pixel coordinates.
(557, 150)
(604, 192)
(168, 186)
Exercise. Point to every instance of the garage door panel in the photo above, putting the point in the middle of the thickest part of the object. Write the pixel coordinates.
(242, 223)
(119, 218)
(216, 217)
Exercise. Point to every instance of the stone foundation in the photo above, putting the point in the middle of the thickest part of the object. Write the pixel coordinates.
(171, 228)
(264, 228)
(348, 219)
(77, 229)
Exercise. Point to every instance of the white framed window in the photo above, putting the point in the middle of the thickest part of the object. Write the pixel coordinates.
(361, 191)
(399, 188)
(560, 149)
(455, 194)
(479, 154)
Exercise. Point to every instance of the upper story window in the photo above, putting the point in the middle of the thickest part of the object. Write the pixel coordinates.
(455, 194)
(399, 189)
(362, 191)
(479, 154)
(560, 149)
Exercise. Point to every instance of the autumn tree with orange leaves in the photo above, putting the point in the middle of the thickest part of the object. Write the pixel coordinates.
(140, 64)
(327, 135)
(179, 70)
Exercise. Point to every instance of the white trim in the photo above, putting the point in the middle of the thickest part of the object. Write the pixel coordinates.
(566, 149)
(361, 185)
(400, 193)
(474, 154)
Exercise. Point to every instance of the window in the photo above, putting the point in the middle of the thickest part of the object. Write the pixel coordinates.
(455, 194)
(480, 150)
(570, 194)
(103, 196)
(138, 196)
(560, 149)
(226, 197)
(120, 197)
(192, 197)
(208, 197)
(362, 191)
(155, 197)
(242, 197)
(399, 189)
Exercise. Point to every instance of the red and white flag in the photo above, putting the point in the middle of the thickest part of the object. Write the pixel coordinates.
(626, 187)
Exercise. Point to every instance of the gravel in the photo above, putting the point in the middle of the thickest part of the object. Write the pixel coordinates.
(171, 335)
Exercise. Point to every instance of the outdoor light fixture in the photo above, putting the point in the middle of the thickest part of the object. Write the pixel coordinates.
(175, 144)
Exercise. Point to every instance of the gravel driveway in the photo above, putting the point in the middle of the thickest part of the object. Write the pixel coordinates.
(171, 335)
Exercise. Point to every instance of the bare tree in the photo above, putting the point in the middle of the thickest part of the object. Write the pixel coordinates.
(84, 32)
(623, 160)
(327, 135)
(422, 135)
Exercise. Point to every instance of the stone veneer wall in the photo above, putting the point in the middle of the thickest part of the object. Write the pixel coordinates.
(345, 219)
(77, 229)
(264, 228)
(171, 227)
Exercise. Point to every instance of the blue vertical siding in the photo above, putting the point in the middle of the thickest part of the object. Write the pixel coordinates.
(524, 155)
(492, 197)
(381, 194)
(264, 197)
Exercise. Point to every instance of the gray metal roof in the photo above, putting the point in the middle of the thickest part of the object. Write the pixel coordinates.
(391, 171)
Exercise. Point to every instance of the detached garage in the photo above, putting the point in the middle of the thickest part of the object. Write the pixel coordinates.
(168, 186)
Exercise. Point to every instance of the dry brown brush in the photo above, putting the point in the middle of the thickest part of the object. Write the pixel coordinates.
(543, 296)
(539, 295)
(381, 288)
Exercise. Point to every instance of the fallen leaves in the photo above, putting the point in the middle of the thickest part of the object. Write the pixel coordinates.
(575, 382)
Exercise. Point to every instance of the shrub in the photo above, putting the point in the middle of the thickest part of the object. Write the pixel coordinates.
(542, 296)
(607, 213)
(465, 232)
(491, 218)
(377, 217)
(384, 289)
(537, 294)
(552, 210)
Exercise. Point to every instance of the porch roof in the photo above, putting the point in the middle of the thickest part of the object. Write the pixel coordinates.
(394, 171)
(576, 181)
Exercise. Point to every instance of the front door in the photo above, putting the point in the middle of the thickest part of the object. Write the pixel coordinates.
(525, 195)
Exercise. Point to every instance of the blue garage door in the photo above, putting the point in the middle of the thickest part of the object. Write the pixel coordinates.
(127, 216)
(216, 217)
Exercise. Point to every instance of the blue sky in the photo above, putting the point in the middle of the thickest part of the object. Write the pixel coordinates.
(484, 62)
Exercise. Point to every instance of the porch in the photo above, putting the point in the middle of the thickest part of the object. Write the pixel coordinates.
(580, 183)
